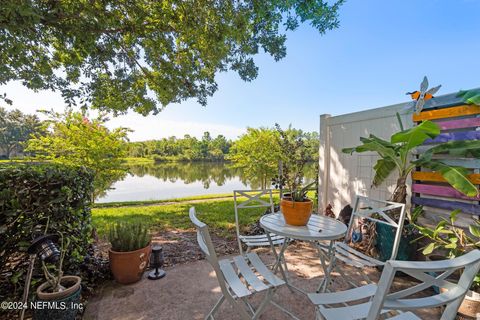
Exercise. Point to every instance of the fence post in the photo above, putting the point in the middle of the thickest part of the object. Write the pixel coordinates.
(324, 163)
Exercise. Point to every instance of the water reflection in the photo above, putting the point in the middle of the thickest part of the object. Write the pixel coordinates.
(174, 180)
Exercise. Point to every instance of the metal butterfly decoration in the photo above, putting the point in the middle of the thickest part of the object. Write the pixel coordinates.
(423, 95)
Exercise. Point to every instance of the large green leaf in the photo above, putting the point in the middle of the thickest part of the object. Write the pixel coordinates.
(383, 168)
(384, 148)
(429, 249)
(474, 230)
(455, 176)
(417, 135)
(468, 148)
(470, 97)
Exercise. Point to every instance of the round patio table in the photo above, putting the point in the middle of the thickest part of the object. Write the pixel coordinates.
(319, 228)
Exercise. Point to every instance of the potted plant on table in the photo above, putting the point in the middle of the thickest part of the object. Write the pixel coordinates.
(448, 240)
(63, 291)
(130, 251)
(294, 205)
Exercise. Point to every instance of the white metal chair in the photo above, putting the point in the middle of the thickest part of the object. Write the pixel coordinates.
(383, 301)
(239, 277)
(372, 210)
(254, 201)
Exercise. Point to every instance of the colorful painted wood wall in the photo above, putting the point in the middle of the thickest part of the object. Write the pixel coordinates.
(458, 121)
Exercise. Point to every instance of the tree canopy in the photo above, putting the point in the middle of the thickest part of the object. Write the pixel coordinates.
(15, 129)
(73, 139)
(257, 153)
(187, 148)
(117, 55)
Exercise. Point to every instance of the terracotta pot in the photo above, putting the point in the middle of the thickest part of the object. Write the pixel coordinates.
(67, 302)
(296, 213)
(128, 267)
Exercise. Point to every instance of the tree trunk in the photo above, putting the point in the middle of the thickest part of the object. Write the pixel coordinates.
(400, 193)
(9, 150)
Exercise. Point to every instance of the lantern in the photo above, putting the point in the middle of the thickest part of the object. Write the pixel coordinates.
(45, 248)
(156, 262)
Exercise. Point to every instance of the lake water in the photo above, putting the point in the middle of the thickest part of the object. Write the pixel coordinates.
(177, 180)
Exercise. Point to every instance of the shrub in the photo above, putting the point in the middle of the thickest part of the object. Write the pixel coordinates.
(126, 237)
(33, 196)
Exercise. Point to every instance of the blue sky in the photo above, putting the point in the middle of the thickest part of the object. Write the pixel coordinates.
(381, 50)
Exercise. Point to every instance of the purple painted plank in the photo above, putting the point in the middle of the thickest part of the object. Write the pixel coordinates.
(459, 124)
(441, 191)
(448, 205)
(445, 137)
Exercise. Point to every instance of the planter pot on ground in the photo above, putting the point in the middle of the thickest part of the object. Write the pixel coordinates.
(296, 213)
(62, 305)
(385, 239)
(128, 267)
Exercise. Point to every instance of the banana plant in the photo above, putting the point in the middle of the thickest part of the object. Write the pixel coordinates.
(396, 155)
(470, 96)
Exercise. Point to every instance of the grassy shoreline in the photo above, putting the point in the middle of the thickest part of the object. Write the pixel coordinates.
(216, 210)
(166, 159)
(153, 202)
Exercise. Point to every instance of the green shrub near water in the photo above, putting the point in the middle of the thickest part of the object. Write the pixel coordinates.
(126, 237)
(31, 196)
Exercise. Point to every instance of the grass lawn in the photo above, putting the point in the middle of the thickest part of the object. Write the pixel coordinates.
(9, 161)
(133, 160)
(217, 214)
(153, 202)
(215, 210)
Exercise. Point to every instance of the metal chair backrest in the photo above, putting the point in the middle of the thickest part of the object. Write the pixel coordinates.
(376, 211)
(253, 201)
(206, 245)
(430, 273)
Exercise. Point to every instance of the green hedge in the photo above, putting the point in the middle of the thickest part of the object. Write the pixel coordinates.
(31, 195)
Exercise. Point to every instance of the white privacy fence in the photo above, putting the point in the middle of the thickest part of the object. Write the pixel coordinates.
(341, 175)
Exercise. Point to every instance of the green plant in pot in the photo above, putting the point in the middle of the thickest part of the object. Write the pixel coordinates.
(396, 156)
(130, 251)
(59, 289)
(448, 240)
(294, 205)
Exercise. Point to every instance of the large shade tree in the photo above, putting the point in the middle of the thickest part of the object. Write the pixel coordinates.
(144, 54)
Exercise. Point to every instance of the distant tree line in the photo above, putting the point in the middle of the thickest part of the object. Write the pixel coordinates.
(17, 128)
(207, 148)
(187, 148)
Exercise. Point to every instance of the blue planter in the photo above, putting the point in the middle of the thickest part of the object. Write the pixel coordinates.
(60, 309)
(385, 239)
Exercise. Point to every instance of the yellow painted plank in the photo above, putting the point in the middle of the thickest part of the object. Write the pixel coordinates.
(437, 177)
(459, 111)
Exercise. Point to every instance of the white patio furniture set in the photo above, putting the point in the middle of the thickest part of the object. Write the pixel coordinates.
(243, 276)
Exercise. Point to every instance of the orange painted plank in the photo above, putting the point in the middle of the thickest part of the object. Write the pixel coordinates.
(459, 111)
(437, 177)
